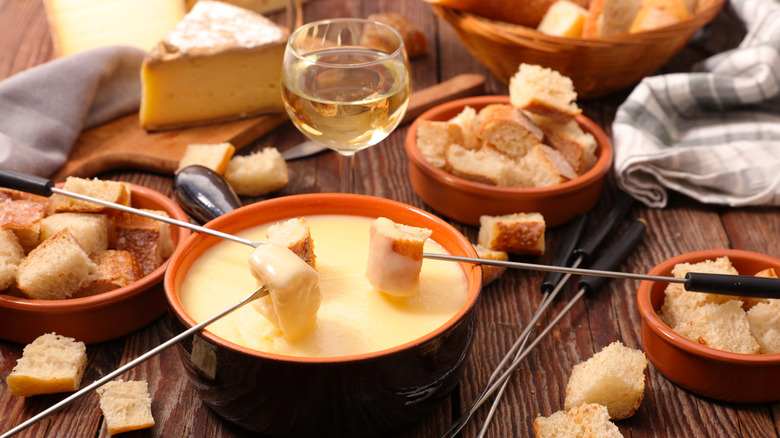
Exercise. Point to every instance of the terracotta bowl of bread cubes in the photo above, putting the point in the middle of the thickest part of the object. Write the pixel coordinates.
(465, 200)
(348, 392)
(105, 315)
(694, 364)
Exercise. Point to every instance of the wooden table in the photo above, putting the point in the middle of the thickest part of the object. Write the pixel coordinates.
(683, 226)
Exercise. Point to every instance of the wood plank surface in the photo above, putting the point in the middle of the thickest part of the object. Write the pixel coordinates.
(506, 305)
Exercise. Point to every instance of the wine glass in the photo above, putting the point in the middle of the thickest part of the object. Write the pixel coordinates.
(346, 85)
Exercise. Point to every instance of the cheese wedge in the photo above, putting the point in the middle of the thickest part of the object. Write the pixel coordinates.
(79, 25)
(220, 63)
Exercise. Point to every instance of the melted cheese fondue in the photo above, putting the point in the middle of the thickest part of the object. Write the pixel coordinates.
(353, 318)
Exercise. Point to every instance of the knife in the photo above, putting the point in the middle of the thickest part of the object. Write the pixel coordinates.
(463, 85)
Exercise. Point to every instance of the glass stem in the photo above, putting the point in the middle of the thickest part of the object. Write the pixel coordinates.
(347, 171)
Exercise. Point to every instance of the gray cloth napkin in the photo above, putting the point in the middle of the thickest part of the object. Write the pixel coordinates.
(43, 109)
(714, 133)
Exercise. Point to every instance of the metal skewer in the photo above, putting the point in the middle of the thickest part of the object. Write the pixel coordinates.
(262, 290)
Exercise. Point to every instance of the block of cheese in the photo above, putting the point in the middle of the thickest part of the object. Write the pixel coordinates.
(220, 63)
(79, 25)
(259, 6)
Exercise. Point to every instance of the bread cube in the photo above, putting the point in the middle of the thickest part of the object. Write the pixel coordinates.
(213, 156)
(434, 137)
(491, 273)
(723, 326)
(55, 269)
(295, 235)
(613, 377)
(258, 173)
(518, 233)
(126, 406)
(50, 364)
(543, 91)
(764, 319)
(149, 240)
(468, 121)
(485, 165)
(585, 421)
(24, 219)
(577, 146)
(110, 191)
(11, 254)
(89, 229)
(115, 269)
(508, 130)
(395, 257)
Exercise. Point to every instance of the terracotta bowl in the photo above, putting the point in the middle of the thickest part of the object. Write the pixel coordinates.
(361, 395)
(731, 377)
(100, 317)
(465, 201)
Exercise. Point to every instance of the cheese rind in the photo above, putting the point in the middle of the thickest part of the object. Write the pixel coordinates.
(220, 63)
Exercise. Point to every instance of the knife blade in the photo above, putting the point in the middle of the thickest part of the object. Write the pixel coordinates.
(459, 86)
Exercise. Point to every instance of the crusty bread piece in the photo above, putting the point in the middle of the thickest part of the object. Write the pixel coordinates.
(491, 273)
(115, 269)
(485, 165)
(258, 173)
(395, 257)
(50, 364)
(723, 326)
(610, 17)
(24, 219)
(89, 229)
(111, 191)
(679, 303)
(214, 156)
(508, 129)
(414, 39)
(764, 320)
(468, 120)
(518, 233)
(434, 137)
(576, 145)
(613, 377)
(126, 406)
(295, 235)
(563, 19)
(55, 269)
(11, 254)
(542, 166)
(585, 421)
(148, 239)
(543, 91)
(655, 14)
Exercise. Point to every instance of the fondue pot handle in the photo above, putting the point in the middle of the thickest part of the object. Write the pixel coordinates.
(26, 183)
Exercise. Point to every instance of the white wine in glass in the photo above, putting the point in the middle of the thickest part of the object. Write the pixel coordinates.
(346, 85)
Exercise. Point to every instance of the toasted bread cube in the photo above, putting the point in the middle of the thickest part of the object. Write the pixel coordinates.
(508, 129)
(110, 191)
(486, 165)
(613, 377)
(90, 229)
(148, 239)
(295, 235)
(258, 173)
(468, 120)
(395, 257)
(434, 137)
(11, 254)
(723, 326)
(213, 156)
(24, 219)
(577, 146)
(543, 91)
(589, 420)
(518, 233)
(55, 269)
(50, 364)
(115, 269)
(126, 406)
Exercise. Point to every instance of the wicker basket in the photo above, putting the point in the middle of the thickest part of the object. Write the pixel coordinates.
(596, 66)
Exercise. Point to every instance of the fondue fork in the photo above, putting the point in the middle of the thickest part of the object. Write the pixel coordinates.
(724, 284)
(261, 291)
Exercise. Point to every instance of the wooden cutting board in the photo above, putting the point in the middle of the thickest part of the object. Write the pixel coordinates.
(123, 144)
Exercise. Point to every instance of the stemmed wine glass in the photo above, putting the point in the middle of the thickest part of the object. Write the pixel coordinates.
(346, 85)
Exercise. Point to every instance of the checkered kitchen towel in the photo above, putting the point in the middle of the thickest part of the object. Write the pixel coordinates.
(714, 133)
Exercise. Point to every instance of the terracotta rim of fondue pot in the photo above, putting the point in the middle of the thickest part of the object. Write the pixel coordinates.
(288, 207)
(722, 375)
